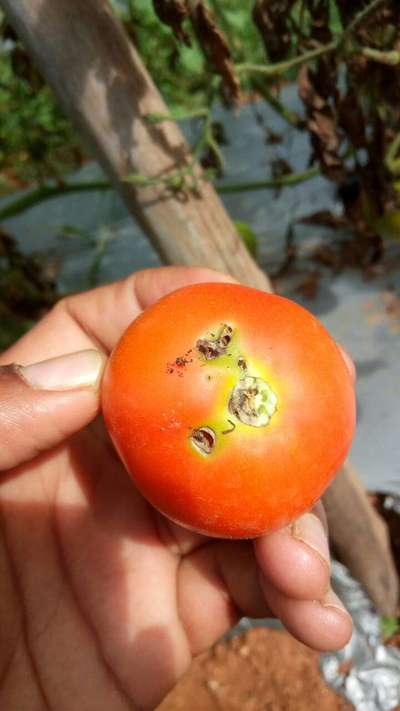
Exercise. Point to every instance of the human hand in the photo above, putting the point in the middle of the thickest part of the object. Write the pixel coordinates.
(103, 602)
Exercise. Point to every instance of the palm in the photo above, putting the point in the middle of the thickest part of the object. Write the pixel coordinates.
(99, 572)
(104, 601)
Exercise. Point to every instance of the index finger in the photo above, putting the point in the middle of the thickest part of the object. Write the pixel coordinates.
(97, 318)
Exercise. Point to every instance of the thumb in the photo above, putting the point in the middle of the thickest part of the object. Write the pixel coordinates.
(44, 403)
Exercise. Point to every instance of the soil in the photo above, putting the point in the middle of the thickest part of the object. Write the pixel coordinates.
(250, 673)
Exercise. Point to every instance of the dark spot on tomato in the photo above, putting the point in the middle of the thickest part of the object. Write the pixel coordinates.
(203, 438)
(215, 346)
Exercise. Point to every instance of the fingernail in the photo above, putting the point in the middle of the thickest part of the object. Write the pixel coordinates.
(309, 530)
(67, 372)
(332, 600)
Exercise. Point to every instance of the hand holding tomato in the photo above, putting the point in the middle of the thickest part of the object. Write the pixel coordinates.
(103, 599)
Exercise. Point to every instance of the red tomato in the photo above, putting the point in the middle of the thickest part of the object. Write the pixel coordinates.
(232, 409)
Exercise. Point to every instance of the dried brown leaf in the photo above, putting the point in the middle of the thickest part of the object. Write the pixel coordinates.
(173, 13)
(309, 286)
(323, 126)
(272, 138)
(24, 68)
(271, 19)
(27, 287)
(280, 167)
(351, 118)
(327, 256)
(305, 88)
(321, 123)
(215, 47)
(320, 24)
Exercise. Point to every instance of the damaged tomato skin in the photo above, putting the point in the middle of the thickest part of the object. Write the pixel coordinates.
(158, 389)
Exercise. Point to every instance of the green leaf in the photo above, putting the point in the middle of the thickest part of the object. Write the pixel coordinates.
(388, 226)
(335, 22)
(248, 236)
(390, 626)
(177, 114)
(137, 179)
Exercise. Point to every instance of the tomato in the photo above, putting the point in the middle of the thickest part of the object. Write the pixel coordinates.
(232, 409)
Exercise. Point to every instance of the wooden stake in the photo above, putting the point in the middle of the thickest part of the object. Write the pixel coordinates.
(359, 538)
(85, 55)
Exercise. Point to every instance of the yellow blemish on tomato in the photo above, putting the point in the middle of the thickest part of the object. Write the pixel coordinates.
(247, 399)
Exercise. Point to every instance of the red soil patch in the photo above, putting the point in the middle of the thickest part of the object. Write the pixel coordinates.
(261, 670)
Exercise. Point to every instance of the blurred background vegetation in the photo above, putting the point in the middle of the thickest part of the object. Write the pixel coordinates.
(344, 57)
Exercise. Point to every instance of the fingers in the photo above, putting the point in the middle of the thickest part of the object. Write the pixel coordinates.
(296, 559)
(220, 582)
(44, 403)
(321, 624)
(97, 318)
(217, 584)
(285, 574)
(294, 566)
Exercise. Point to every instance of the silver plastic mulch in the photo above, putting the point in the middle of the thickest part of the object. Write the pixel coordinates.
(366, 671)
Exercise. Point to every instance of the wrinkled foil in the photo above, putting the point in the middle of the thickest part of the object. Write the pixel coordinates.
(392, 503)
(365, 671)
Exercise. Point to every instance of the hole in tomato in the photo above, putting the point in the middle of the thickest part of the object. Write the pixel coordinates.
(253, 402)
(242, 364)
(213, 347)
(203, 438)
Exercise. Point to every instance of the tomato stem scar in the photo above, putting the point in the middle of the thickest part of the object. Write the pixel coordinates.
(252, 401)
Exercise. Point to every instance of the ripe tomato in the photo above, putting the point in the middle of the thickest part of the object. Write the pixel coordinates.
(231, 408)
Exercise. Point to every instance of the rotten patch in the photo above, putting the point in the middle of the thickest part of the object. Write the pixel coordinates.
(211, 348)
(253, 402)
(242, 364)
(203, 439)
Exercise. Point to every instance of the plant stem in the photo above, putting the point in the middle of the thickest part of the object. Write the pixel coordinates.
(212, 144)
(46, 192)
(391, 58)
(391, 162)
(283, 181)
(178, 115)
(360, 17)
(291, 117)
(223, 23)
(282, 67)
